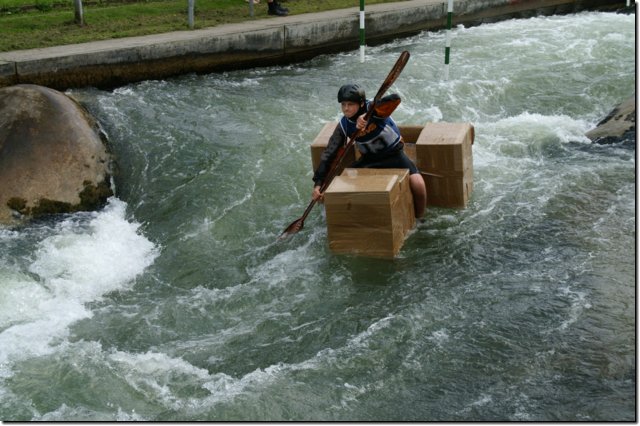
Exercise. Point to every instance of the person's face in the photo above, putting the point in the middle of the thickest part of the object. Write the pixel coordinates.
(349, 108)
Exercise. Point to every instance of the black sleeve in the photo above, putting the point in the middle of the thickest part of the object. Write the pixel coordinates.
(336, 140)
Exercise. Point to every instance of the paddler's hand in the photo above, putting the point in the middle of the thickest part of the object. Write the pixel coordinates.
(317, 195)
(361, 122)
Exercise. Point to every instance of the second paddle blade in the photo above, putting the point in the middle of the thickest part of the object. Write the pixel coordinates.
(294, 228)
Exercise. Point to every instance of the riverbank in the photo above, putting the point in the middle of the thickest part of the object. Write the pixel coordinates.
(112, 63)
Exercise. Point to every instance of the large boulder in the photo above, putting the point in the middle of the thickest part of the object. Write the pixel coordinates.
(53, 156)
(618, 126)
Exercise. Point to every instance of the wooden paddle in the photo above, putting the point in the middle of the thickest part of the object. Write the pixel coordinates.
(297, 224)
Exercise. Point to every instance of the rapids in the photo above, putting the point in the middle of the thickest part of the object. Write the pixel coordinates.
(175, 302)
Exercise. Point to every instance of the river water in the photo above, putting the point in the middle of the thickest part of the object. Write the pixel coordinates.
(174, 302)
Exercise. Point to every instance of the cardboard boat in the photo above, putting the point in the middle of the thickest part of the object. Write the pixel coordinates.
(370, 211)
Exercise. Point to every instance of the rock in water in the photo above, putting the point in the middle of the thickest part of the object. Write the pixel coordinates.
(618, 126)
(53, 156)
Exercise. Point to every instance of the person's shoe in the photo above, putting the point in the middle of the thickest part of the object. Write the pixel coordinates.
(276, 9)
(278, 12)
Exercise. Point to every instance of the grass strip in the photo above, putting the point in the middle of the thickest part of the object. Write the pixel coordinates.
(28, 24)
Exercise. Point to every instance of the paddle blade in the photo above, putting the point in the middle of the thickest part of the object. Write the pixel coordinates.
(385, 107)
(294, 228)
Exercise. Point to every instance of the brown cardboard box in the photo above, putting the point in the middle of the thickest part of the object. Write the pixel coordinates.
(320, 143)
(410, 136)
(369, 211)
(443, 154)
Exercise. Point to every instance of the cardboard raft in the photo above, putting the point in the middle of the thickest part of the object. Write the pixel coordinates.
(370, 211)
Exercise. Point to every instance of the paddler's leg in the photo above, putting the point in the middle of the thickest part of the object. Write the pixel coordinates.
(419, 191)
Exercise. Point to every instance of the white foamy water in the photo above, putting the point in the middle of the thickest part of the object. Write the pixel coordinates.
(79, 260)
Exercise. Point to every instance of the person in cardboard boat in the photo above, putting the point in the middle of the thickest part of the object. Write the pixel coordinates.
(380, 145)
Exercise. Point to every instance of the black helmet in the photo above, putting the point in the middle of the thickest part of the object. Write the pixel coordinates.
(351, 92)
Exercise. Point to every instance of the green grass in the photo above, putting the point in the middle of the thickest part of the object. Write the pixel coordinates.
(27, 24)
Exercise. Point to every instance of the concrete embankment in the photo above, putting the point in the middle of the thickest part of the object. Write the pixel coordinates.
(111, 63)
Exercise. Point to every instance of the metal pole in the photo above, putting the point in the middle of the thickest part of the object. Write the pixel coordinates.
(447, 47)
(361, 30)
(192, 5)
(79, 14)
(251, 8)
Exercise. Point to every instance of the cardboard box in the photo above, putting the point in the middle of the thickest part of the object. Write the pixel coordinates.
(443, 155)
(369, 212)
(410, 136)
(320, 143)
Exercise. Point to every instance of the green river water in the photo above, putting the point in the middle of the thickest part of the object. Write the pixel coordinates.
(175, 302)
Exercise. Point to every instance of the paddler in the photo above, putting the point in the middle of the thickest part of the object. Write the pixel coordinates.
(381, 145)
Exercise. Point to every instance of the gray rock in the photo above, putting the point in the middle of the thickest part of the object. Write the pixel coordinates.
(618, 126)
(53, 156)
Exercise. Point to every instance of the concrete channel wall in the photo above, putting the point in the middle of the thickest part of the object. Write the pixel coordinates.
(277, 40)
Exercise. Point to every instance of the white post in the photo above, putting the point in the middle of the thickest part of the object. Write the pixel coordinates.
(192, 5)
(361, 30)
(79, 14)
(447, 47)
(251, 8)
